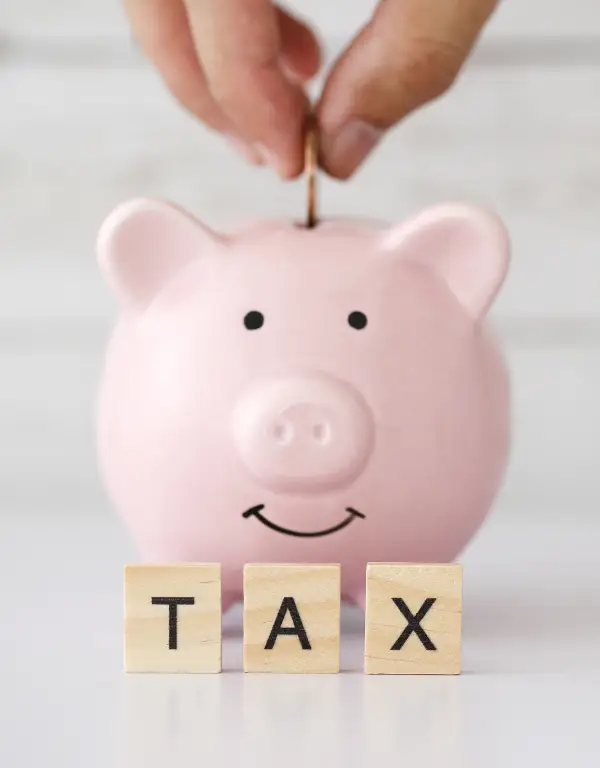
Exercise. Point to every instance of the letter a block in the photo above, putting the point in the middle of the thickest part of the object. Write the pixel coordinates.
(413, 619)
(173, 618)
(291, 618)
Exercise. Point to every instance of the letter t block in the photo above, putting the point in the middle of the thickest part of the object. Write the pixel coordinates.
(413, 619)
(173, 618)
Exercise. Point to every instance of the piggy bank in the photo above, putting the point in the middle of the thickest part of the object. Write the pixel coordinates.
(293, 394)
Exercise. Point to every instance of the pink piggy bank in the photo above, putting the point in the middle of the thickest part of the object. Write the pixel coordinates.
(288, 394)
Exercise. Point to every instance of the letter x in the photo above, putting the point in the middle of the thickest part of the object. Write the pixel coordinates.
(413, 623)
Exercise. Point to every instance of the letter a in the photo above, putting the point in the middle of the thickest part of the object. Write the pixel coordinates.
(288, 605)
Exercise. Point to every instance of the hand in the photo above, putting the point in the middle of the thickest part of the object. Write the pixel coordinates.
(238, 65)
(241, 67)
(407, 55)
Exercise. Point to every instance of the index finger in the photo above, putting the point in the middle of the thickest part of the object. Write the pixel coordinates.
(239, 45)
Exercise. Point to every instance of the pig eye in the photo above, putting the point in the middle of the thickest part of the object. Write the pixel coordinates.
(357, 320)
(254, 320)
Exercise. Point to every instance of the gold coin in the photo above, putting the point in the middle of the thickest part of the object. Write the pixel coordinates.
(311, 164)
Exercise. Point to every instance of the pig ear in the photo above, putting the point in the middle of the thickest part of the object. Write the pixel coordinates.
(143, 244)
(465, 246)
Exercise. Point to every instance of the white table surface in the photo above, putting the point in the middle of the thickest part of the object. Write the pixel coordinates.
(529, 694)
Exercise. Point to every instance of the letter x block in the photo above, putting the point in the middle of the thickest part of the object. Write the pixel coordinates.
(291, 618)
(173, 618)
(413, 619)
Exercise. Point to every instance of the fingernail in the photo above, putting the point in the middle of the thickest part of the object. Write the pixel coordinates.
(268, 157)
(248, 152)
(293, 75)
(344, 151)
(271, 159)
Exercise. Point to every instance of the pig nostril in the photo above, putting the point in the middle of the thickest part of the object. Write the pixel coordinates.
(283, 432)
(322, 433)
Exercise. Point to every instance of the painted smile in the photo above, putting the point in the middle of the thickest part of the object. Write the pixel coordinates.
(257, 513)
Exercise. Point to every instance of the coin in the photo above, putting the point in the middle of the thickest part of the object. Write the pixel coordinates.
(311, 164)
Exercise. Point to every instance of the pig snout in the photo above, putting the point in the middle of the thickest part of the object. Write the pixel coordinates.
(303, 434)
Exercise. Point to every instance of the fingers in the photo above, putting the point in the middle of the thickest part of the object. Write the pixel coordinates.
(239, 66)
(162, 31)
(239, 43)
(409, 54)
(300, 49)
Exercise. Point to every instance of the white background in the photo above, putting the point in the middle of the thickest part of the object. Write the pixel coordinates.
(85, 123)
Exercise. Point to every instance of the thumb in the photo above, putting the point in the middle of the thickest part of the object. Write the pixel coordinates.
(408, 54)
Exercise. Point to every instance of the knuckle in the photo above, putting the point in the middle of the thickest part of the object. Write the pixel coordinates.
(258, 99)
(230, 98)
(231, 88)
(432, 69)
(422, 73)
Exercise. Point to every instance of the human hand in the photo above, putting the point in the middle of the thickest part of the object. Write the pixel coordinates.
(238, 65)
(241, 67)
(407, 55)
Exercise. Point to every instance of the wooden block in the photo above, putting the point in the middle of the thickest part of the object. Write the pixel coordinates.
(413, 619)
(291, 618)
(173, 618)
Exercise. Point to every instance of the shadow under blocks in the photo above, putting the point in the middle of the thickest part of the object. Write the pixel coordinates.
(413, 621)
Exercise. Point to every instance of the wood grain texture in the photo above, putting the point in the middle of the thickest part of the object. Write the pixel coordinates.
(304, 598)
(65, 20)
(73, 19)
(102, 137)
(413, 619)
(159, 640)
